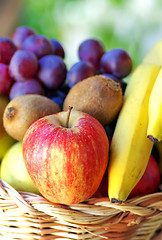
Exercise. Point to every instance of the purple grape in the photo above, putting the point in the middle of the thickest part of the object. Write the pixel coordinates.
(20, 34)
(23, 65)
(116, 62)
(91, 50)
(79, 71)
(7, 49)
(30, 86)
(52, 71)
(39, 45)
(5, 79)
(58, 48)
(63, 88)
(57, 96)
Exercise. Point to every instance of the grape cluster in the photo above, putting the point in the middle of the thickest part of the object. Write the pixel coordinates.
(31, 63)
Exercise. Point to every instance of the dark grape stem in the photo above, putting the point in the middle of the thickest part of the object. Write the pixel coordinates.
(68, 116)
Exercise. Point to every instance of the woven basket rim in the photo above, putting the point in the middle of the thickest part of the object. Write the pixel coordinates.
(34, 217)
(143, 205)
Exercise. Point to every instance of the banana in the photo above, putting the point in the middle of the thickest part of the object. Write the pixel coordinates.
(154, 130)
(130, 148)
(154, 55)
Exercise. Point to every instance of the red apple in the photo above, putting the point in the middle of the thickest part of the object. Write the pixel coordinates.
(66, 163)
(150, 181)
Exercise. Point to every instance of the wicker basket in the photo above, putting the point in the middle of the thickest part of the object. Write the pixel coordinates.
(29, 216)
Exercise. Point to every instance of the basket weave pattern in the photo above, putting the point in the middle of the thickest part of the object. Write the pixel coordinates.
(29, 216)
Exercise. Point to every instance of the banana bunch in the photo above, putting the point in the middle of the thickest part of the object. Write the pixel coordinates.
(140, 119)
(130, 148)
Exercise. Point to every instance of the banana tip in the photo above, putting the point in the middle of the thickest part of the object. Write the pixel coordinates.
(114, 200)
(153, 139)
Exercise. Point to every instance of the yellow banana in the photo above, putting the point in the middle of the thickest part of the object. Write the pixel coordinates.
(154, 131)
(154, 55)
(130, 148)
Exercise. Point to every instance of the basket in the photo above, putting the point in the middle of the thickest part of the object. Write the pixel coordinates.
(29, 216)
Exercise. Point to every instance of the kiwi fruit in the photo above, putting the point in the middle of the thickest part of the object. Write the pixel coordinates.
(24, 110)
(99, 96)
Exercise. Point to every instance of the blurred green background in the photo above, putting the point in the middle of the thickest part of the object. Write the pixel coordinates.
(134, 25)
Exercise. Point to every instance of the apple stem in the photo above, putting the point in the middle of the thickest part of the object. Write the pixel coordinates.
(68, 116)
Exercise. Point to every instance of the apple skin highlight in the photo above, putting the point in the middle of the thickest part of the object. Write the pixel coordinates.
(66, 164)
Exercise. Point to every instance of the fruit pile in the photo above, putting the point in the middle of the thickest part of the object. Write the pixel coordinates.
(79, 133)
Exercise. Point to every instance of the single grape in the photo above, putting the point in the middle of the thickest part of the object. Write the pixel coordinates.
(20, 34)
(91, 50)
(58, 48)
(57, 96)
(5, 79)
(7, 49)
(39, 45)
(116, 62)
(23, 65)
(30, 86)
(52, 71)
(79, 71)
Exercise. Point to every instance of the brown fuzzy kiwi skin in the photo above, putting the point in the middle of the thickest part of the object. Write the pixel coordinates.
(24, 110)
(98, 96)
